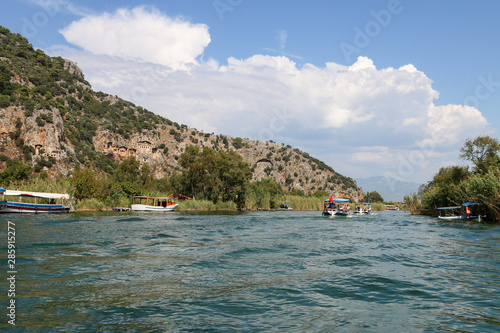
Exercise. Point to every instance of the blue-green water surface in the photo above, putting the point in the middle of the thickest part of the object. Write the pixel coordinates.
(252, 272)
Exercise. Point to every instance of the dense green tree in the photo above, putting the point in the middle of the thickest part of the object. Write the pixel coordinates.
(373, 197)
(444, 189)
(485, 189)
(263, 194)
(214, 175)
(128, 170)
(85, 184)
(483, 152)
(15, 170)
(234, 174)
(237, 142)
(320, 194)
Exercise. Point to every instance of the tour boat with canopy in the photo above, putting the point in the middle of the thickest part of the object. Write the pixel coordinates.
(34, 202)
(359, 209)
(153, 204)
(450, 213)
(463, 212)
(336, 207)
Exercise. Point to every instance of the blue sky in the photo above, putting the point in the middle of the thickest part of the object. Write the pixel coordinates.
(373, 88)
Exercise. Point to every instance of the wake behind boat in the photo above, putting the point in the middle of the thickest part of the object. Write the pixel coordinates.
(153, 204)
(38, 202)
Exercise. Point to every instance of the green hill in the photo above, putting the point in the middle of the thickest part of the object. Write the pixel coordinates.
(52, 120)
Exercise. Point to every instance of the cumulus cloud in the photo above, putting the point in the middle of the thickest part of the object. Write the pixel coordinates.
(140, 34)
(329, 111)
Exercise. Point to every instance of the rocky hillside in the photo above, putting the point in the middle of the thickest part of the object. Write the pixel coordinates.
(51, 118)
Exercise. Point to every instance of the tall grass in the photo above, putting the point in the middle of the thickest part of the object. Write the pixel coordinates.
(92, 205)
(42, 185)
(413, 203)
(206, 205)
(303, 203)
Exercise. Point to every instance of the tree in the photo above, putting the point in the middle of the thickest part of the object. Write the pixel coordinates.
(15, 170)
(263, 194)
(128, 170)
(444, 189)
(483, 152)
(485, 188)
(373, 197)
(320, 194)
(214, 175)
(237, 142)
(85, 184)
(234, 174)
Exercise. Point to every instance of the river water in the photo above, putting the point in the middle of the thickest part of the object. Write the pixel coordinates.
(252, 272)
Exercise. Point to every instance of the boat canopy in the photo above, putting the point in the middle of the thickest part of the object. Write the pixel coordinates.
(364, 203)
(337, 200)
(470, 204)
(54, 196)
(2, 190)
(146, 197)
(452, 207)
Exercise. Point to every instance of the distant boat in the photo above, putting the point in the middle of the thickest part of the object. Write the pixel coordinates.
(153, 204)
(366, 210)
(336, 207)
(285, 207)
(35, 207)
(391, 207)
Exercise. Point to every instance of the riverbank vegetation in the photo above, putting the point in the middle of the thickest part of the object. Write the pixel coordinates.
(211, 180)
(455, 185)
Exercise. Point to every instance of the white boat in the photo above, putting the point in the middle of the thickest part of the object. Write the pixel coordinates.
(460, 213)
(366, 210)
(336, 207)
(451, 213)
(153, 204)
(40, 202)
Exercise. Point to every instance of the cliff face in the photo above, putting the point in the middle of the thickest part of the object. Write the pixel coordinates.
(52, 113)
(290, 168)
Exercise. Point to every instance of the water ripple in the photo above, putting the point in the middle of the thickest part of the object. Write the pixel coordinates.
(261, 271)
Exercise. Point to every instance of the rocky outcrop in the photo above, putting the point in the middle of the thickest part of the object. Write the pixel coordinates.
(73, 68)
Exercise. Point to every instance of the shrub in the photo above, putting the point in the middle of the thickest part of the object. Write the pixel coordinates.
(4, 101)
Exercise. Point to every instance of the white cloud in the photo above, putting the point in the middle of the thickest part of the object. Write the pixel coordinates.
(327, 111)
(140, 34)
(447, 123)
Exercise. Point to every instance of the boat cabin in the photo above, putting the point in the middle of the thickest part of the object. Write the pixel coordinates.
(153, 201)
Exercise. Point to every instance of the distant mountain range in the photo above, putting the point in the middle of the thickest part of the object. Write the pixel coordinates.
(389, 188)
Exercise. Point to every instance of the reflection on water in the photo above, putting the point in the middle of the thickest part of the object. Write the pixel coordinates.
(260, 271)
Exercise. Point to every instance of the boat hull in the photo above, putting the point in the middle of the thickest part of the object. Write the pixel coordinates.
(148, 208)
(18, 207)
(466, 217)
(328, 212)
(341, 214)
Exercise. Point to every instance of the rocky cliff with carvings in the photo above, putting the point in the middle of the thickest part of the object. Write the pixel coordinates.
(50, 114)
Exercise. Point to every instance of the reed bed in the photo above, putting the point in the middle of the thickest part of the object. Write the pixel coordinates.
(206, 205)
